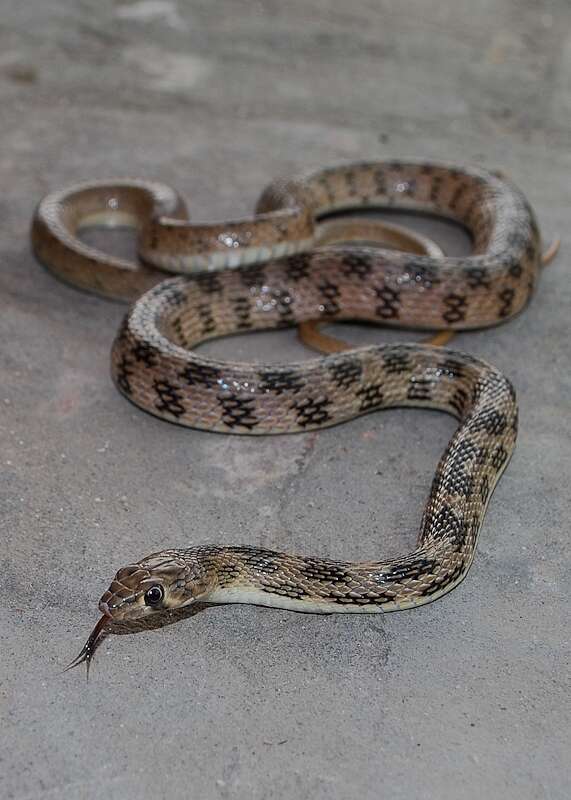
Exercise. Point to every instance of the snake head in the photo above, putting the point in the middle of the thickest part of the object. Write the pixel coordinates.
(159, 582)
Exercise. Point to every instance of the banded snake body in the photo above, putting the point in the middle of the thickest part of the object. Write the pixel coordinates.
(155, 366)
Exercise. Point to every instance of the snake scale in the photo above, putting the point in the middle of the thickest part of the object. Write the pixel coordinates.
(155, 365)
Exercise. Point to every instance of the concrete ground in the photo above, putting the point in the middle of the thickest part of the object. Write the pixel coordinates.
(468, 697)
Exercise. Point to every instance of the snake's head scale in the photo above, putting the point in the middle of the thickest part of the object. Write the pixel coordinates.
(159, 582)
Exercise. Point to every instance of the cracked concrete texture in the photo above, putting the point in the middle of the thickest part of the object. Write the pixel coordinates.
(464, 698)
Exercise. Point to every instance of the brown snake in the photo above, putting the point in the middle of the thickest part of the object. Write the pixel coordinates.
(155, 366)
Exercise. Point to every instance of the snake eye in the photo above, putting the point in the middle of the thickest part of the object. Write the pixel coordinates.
(154, 595)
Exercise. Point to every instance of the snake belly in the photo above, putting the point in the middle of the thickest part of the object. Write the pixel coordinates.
(155, 365)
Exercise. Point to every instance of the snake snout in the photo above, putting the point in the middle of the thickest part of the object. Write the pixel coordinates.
(123, 592)
(117, 600)
(104, 608)
(110, 603)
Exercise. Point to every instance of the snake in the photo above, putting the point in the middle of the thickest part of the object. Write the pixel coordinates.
(155, 364)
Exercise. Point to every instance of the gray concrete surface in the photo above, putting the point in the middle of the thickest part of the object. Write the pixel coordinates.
(466, 698)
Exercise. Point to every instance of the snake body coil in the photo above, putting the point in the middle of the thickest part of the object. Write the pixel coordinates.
(368, 379)
(155, 366)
